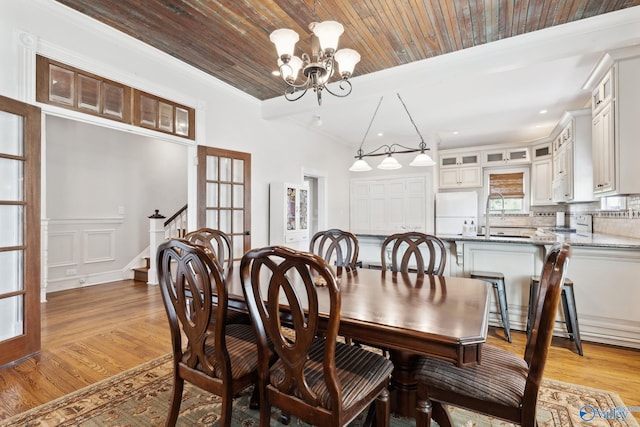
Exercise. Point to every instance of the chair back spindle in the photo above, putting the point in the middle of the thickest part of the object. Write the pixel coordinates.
(424, 253)
(336, 247)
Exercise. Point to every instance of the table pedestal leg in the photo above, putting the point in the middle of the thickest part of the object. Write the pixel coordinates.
(403, 386)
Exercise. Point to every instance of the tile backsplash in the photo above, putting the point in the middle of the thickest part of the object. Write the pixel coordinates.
(620, 223)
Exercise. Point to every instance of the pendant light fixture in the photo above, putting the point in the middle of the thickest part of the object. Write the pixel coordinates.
(390, 162)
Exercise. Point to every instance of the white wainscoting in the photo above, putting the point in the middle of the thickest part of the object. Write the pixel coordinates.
(82, 252)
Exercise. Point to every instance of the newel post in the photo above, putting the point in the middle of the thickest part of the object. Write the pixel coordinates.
(156, 237)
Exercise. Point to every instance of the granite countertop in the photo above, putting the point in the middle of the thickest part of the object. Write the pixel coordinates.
(547, 238)
(574, 239)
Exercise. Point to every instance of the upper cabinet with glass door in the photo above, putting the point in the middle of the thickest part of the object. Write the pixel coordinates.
(508, 156)
(460, 169)
(602, 93)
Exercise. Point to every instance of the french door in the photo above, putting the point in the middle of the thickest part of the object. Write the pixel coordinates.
(19, 230)
(224, 195)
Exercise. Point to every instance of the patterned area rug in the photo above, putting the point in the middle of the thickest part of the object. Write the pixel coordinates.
(140, 397)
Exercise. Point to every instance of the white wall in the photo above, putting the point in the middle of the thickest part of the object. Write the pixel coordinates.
(226, 117)
(102, 184)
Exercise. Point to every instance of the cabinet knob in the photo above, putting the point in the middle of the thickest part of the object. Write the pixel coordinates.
(247, 233)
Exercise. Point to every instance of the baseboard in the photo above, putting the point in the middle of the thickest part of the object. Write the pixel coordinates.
(74, 282)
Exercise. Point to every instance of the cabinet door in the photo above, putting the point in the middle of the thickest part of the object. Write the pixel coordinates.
(602, 93)
(470, 177)
(449, 178)
(541, 182)
(448, 161)
(415, 212)
(470, 159)
(542, 151)
(603, 151)
(492, 157)
(465, 159)
(512, 155)
(303, 209)
(360, 207)
(291, 206)
(568, 162)
(519, 155)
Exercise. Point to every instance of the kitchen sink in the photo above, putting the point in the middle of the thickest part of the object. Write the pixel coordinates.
(524, 236)
(525, 232)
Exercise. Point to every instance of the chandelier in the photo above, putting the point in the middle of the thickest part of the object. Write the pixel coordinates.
(389, 162)
(320, 66)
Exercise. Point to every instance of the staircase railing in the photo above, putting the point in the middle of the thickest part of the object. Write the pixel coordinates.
(176, 225)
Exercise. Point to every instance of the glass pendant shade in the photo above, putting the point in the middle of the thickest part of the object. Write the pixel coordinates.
(285, 41)
(389, 163)
(360, 166)
(422, 159)
(290, 70)
(328, 33)
(347, 60)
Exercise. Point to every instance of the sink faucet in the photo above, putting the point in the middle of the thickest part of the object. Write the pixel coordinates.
(487, 223)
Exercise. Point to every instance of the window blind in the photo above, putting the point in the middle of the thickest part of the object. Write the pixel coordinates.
(510, 185)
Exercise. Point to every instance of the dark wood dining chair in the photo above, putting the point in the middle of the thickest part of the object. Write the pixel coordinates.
(216, 242)
(503, 385)
(219, 244)
(315, 378)
(337, 247)
(413, 252)
(218, 357)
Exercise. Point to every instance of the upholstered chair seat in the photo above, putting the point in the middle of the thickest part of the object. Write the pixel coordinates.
(500, 378)
(357, 372)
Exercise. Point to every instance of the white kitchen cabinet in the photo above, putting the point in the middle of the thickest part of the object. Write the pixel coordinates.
(461, 177)
(384, 206)
(289, 215)
(541, 151)
(603, 92)
(460, 169)
(572, 158)
(603, 151)
(506, 157)
(541, 174)
(448, 159)
(615, 122)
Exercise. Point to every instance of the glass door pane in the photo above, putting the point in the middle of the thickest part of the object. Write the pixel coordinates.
(224, 195)
(20, 229)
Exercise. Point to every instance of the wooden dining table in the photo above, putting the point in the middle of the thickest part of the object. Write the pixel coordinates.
(410, 315)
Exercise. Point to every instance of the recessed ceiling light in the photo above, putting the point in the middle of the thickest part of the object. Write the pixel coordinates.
(380, 134)
(455, 132)
(543, 111)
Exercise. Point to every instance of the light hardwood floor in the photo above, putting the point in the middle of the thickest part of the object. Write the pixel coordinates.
(92, 333)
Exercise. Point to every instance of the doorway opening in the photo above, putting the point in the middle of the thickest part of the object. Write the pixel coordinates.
(317, 202)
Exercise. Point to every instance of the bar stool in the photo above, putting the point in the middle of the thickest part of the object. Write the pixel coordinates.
(568, 306)
(497, 280)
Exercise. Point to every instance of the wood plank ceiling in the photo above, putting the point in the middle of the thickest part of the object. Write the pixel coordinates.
(229, 39)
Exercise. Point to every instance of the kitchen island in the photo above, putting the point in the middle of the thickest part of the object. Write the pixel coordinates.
(605, 270)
